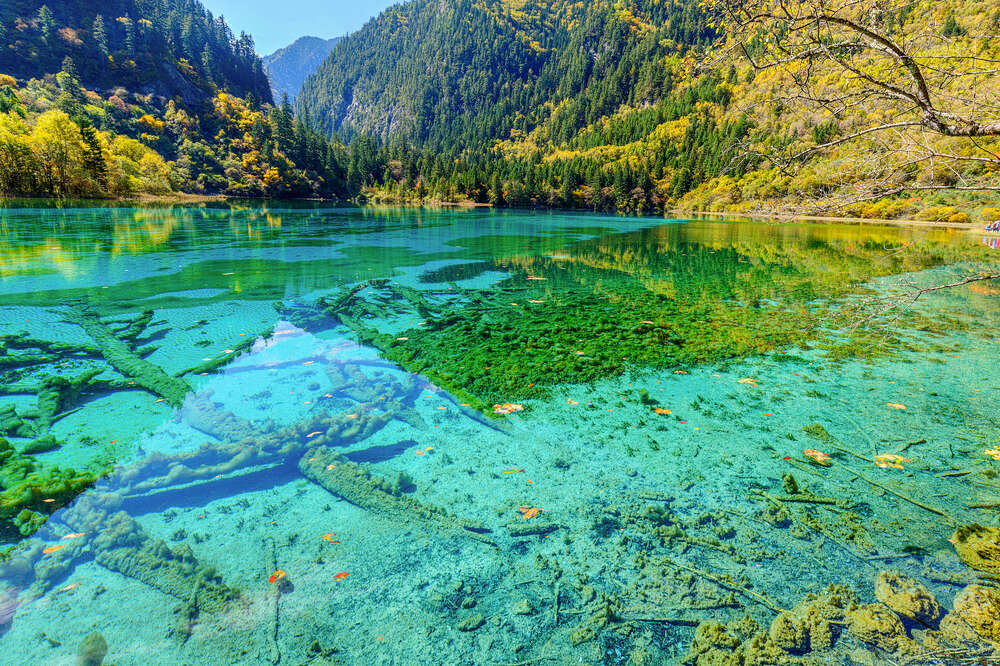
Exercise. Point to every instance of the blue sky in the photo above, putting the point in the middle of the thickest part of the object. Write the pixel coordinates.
(278, 23)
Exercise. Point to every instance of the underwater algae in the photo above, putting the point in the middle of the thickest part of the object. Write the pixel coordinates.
(597, 310)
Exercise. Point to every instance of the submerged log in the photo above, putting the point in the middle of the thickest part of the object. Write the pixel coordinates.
(357, 485)
(120, 356)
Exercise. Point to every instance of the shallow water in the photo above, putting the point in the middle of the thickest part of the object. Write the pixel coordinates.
(661, 381)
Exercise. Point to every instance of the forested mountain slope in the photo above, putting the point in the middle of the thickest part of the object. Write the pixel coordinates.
(288, 68)
(453, 75)
(126, 97)
(649, 105)
(168, 48)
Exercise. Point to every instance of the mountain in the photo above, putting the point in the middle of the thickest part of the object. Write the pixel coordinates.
(288, 68)
(632, 106)
(450, 75)
(168, 48)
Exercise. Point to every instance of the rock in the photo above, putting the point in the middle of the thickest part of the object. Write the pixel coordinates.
(92, 650)
(954, 629)
(979, 547)
(472, 622)
(876, 624)
(789, 635)
(523, 607)
(980, 607)
(907, 597)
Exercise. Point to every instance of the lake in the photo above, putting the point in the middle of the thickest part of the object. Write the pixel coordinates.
(295, 434)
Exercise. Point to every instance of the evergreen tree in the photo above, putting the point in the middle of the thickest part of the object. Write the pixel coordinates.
(951, 28)
(46, 21)
(99, 31)
(129, 26)
(207, 64)
(93, 156)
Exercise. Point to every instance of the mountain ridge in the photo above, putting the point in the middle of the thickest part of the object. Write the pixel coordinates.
(289, 66)
(169, 48)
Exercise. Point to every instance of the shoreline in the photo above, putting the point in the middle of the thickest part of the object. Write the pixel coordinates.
(175, 197)
(786, 217)
(678, 214)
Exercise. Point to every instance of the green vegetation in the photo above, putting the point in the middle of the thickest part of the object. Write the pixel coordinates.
(620, 106)
(132, 109)
(167, 48)
(31, 493)
(607, 306)
(59, 139)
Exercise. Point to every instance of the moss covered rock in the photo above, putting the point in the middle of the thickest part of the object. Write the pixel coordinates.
(979, 547)
(472, 622)
(907, 597)
(788, 634)
(979, 607)
(877, 625)
(92, 650)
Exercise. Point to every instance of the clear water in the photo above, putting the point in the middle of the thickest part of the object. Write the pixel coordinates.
(665, 377)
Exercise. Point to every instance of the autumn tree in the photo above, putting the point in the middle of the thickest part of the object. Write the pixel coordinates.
(905, 96)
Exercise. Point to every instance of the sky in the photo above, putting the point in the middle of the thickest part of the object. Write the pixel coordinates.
(278, 23)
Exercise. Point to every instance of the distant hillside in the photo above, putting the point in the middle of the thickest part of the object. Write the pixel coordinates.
(288, 68)
(467, 73)
(169, 48)
(124, 97)
(629, 105)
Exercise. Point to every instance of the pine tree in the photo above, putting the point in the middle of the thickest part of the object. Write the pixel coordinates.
(496, 190)
(93, 157)
(951, 27)
(207, 64)
(129, 26)
(46, 21)
(100, 34)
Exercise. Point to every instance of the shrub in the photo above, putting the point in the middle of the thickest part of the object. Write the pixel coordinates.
(990, 214)
(937, 213)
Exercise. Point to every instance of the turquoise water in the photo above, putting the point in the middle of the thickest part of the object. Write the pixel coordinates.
(418, 437)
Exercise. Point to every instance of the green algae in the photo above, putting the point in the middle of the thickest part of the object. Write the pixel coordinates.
(31, 493)
(41, 445)
(603, 307)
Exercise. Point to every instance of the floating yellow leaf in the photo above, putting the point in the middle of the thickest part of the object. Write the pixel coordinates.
(887, 460)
